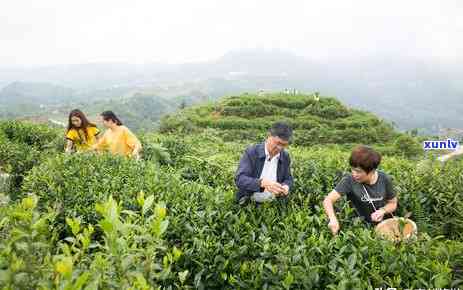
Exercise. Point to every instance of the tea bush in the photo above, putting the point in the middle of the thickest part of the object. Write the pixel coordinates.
(74, 183)
(26, 240)
(210, 243)
(170, 221)
(16, 159)
(33, 135)
(174, 146)
(24, 145)
(132, 254)
(322, 121)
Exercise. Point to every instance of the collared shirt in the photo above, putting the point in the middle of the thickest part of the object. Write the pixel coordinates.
(81, 140)
(269, 171)
(270, 166)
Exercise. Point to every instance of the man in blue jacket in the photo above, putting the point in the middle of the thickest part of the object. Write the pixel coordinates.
(264, 171)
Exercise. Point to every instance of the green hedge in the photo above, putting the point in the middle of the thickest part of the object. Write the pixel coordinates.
(74, 183)
(24, 145)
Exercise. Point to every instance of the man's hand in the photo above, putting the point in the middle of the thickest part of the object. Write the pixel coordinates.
(285, 190)
(276, 189)
(334, 226)
(264, 183)
(271, 186)
(378, 215)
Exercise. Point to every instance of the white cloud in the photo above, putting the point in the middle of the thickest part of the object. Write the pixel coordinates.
(49, 32)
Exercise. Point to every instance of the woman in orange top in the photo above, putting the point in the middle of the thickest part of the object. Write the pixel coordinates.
(81, 135)
(118, 139)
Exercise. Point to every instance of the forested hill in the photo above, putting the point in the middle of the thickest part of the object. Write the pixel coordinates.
(316, 121)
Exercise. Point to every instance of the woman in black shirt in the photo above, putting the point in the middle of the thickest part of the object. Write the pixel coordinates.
(369, 190)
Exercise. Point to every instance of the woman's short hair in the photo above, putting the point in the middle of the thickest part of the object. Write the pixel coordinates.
(365, 157)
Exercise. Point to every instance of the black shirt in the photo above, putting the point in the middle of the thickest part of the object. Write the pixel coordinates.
(378, 194)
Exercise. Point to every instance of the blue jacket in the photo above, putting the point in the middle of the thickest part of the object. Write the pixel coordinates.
(250, 168)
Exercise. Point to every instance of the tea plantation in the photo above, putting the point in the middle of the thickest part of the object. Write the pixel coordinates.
(170, 221)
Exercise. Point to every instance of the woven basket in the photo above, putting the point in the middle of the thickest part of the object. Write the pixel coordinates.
(397, 229)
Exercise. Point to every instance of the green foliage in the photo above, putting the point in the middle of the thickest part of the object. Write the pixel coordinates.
(74, 183)
(176, 123)
(132, 254)
(437, 194)
(408, 146)
(156, 153)
(17, 159)
(24, 145)
(26, 240)
(170, 221)
(37, 136)
(209, 243)
(314, 120)
(5, 182)
(166, 148)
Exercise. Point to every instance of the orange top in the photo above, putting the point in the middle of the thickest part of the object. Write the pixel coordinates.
(120, 141)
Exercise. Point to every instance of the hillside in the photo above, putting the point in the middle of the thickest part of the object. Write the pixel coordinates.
(141, 108)
(316, 120)
(170, 221)
(31, 92)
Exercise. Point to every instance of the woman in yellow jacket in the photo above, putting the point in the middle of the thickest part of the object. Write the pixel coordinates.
(81, 135)
(117, 139)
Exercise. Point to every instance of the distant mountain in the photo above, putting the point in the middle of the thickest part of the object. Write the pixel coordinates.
(140, 112)
(32, 92)
(412, 93)
(85, 76)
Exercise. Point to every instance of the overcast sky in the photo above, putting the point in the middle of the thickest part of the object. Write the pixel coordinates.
(174, 31)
